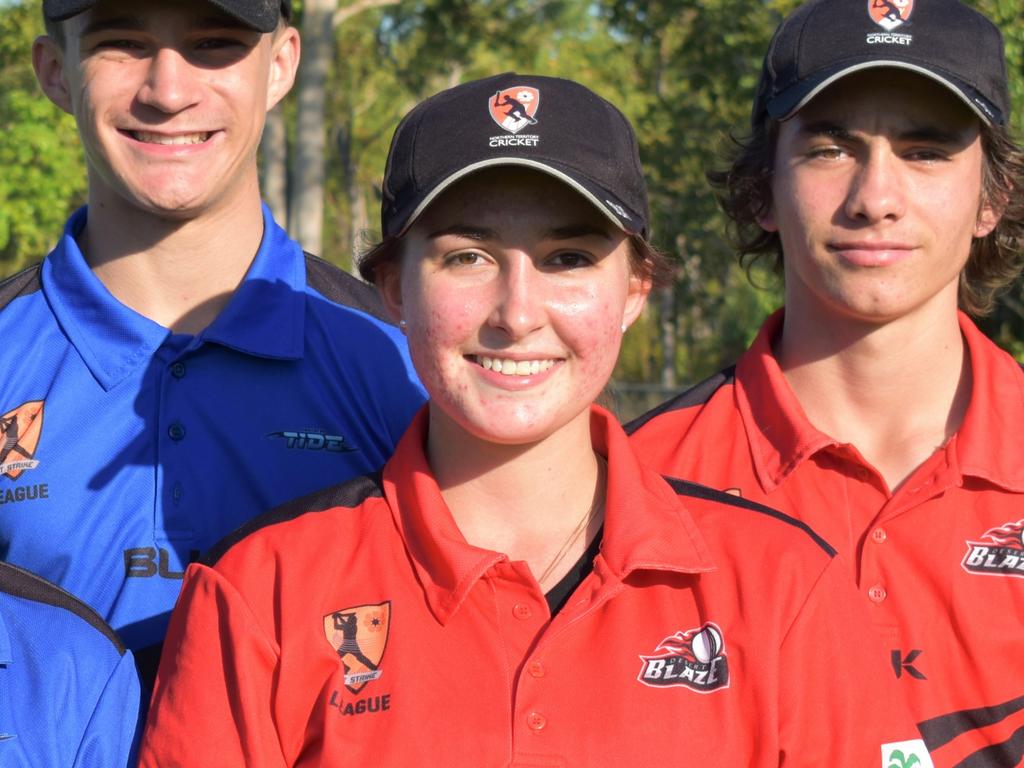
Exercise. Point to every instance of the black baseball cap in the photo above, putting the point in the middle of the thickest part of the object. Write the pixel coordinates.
(261, 15)
(825, 40)
(553, 125)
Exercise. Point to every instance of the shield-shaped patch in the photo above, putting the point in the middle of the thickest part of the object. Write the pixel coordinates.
(515, 108)
(890, 14)
(358, 635)
(19, 435)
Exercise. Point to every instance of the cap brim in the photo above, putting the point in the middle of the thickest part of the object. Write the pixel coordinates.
(628, 221)
(786, 104)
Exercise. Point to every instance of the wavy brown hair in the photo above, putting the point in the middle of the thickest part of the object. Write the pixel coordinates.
(744, 191)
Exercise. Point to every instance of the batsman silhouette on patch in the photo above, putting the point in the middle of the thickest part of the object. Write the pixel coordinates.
(348, 625)
(516, 109)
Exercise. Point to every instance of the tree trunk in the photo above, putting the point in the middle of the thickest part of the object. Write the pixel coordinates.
(274, 168)
(306, 195)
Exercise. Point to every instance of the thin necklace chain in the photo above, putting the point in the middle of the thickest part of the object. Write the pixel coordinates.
(589, 516)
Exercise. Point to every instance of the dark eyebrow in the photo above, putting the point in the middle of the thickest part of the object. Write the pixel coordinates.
(576, 230)
(464, 230)
(130, 23)
(136, 24)
(934, 135)
(826, 128)
(930, 134)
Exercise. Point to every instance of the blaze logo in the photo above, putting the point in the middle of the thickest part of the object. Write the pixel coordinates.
(694, 659)
(1001, 555)
(890, 14)
(515, 108)
(19, 435)
(358, 635)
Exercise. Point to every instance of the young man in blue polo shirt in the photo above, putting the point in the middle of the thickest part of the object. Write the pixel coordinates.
(69, 692)
(176, 364)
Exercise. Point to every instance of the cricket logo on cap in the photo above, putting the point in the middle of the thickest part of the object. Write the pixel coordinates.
(515, 108)
(358, 635)
(890, 14)
(19, 435)
(694, 659)
(1001, 555)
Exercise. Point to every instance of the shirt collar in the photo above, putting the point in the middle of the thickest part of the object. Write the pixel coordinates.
(646, 525)
(265, 316)
(780, 434)
(989, 444)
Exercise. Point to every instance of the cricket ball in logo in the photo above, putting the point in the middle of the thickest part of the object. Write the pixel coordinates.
(20, 430)
(358, 635)
(693, 659)
(1000, 553)
(515, 108)
(890, 14)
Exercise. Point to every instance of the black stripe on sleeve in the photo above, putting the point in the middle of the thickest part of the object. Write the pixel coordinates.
(697, 491)
(21, 284)
(941, 730)
(349, 494)
(1006, 754)
(18, 582)
(342, 288)
(698, 394)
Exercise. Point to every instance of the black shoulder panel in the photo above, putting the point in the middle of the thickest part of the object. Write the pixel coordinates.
(698, 394)
(21, 284)
(698, 491)
(342, 288)
(349, 494)
(20, 583)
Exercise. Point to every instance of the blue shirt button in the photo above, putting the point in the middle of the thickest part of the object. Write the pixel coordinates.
(176, 431)
(178, 370)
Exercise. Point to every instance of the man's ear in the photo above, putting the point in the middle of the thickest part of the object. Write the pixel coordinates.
(988, 218)
(48, 62)
(284, 63)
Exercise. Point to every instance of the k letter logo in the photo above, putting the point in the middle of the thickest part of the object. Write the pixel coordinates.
(515, 108)
(19, 435)
(358, 635)
(890, 14)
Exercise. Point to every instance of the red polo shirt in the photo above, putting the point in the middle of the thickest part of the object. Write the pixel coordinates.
(357, 627)
(940, 562)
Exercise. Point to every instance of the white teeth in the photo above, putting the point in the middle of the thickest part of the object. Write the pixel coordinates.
(160, 138)
(514, 367)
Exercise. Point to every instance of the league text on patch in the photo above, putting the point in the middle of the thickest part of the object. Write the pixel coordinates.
(25, 493)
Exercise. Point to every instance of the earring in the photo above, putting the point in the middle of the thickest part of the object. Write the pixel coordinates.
(622, 328)
(402, 325)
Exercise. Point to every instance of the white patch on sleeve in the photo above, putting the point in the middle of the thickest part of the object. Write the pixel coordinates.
(906, 754)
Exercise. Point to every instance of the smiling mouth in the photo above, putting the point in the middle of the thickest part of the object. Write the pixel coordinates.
(508, 367)
(181, 139)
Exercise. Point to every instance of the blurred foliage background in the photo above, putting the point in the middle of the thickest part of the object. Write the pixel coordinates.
(683, 70)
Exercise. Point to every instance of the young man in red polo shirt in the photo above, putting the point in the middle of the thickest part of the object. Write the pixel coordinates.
(881, 175)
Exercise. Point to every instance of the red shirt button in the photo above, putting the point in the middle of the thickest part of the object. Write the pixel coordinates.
(522, 611)
(878, 535)
(536, 669)
(863, 473)
(877, 593)
(536, 721)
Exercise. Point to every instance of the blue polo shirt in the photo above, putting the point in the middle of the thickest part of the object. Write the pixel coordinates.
(69, 692)
(127, 450)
